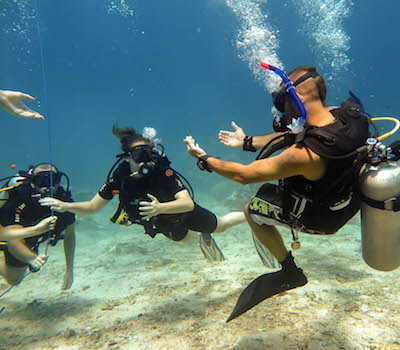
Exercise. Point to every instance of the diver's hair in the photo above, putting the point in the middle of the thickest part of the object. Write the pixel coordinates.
(43, 167)
(127, 136)
(319, 81)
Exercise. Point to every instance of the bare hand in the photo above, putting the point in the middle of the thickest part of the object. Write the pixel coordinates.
(54, 204)
(46, 225)
(11, 102)
(233, 139)
(68, 280)
(150, 209)
(193, 148)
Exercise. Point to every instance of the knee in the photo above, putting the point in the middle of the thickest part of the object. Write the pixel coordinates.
(14, 277)
(12, 280)
(246, 208)
(246, 211)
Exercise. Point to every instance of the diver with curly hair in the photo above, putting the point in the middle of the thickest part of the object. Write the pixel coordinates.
(152, 194)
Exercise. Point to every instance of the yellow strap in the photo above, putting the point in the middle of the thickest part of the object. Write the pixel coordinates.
(7, 188)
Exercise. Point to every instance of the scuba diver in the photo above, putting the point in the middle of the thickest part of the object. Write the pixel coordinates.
(152, 194)
(7, 233)
(22, 209)
(316, 191)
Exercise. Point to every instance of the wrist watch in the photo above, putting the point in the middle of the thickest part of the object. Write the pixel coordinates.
(202, 163)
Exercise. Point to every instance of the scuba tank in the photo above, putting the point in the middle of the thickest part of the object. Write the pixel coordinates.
(379, 190)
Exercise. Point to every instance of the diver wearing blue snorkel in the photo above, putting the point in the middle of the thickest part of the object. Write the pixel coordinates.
(314, 169)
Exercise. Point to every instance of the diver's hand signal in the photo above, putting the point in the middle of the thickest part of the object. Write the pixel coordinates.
(150, 209)
(54, 204)
(193, 148)
(232, 139)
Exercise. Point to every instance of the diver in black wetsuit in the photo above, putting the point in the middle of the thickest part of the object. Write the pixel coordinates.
(22, 209)
(152, 194)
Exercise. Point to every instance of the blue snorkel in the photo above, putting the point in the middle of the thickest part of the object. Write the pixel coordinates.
(298, 123)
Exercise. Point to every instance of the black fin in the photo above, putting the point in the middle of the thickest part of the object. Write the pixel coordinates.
(265, 287)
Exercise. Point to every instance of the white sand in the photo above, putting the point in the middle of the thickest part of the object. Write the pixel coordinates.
(132, 292)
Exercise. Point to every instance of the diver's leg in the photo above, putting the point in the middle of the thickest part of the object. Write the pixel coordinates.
(229, 220)
(269, 236)
(12, 274)
(270, 284)
(189, 236)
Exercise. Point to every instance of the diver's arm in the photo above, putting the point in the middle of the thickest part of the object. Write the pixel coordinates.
(291, 162)
(260, 141)
(69, 252)
(181, 204)
(81, 208)
(18, 232)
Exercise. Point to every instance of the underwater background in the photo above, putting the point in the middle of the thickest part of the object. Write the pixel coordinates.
(184, 68)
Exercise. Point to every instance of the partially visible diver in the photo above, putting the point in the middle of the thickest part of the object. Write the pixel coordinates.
(315, 172)
(22, 209)
(152, 194)
(11, 101)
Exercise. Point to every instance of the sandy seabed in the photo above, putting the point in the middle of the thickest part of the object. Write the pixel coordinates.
(134, 292)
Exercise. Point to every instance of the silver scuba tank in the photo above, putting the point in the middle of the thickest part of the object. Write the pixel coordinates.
(380, 225)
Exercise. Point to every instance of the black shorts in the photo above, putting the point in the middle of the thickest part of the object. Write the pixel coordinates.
(267, 208)
(198, 220)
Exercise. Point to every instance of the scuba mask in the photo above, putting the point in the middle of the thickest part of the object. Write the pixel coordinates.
(145, 155)
(140, 154)
(46, 179)
(279, 98)
(149, 156)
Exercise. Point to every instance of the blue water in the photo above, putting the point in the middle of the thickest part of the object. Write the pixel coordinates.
(183, 67)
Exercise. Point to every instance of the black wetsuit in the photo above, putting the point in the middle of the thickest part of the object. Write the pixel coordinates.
(23, 209)
(164, 184)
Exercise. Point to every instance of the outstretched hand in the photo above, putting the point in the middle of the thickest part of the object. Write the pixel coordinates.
(193, 148)
(150, 209)
(11, 102)
(232, 139)
(54, 204)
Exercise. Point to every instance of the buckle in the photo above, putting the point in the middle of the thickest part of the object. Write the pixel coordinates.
(392, 204)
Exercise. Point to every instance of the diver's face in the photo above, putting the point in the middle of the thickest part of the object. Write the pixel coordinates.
(44, 180)
(137, 155)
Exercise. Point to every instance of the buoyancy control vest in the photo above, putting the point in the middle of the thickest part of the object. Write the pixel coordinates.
(25, 197)
(327, 204)
(132, 192)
